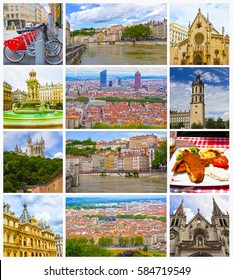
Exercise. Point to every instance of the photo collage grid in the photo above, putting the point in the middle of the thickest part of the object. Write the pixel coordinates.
(128, 123)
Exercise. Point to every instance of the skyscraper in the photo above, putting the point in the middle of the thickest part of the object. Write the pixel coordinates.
(137, 80)
(103, 79)
(119, 81)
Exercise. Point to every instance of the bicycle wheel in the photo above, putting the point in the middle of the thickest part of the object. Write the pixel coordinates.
(54, 52)
(53, 47)
(13, 57)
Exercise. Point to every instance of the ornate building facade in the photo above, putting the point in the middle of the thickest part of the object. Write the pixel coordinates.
(7, 95)
(18, 96)
(59, 245)
(37, 149)
(199, 237)
(178, 34)
(204, 45)
(24, 236)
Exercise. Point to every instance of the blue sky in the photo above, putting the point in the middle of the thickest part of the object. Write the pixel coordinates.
(114, 72)
(107, 14)
(117, 198)
(216, 82)
(218, 14)
(202, 202)
(49, 208)
(108, 135)
(53, 141)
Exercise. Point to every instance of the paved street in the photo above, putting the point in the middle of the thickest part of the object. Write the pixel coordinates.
(28, 60)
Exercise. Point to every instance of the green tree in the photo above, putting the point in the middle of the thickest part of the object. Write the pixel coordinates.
(76, 249)
(118, 149)
(145, 248)
(59, 106)
(138, 240)
(176, 126)
(8, 187)
(220, 123)
(132, 240)
(196, 125)
(136, 32)
(210, 123)
(92, 241)
(160, 155)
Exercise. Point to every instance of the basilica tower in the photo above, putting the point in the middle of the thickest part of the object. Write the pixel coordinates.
(197, 104)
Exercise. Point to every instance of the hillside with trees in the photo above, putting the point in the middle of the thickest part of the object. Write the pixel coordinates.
(21, 171)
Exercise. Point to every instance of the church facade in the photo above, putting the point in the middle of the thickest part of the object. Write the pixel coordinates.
(33, 150)
(204, 45)
(199, 237)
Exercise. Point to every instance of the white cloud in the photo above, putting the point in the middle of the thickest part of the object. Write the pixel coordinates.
(218, 14)
(17, 77)
(208, 76)
(58, 155)
(204, 203)
(83, 7)
(118, 12)
(49, 208)
(53, 140)
(216, 98)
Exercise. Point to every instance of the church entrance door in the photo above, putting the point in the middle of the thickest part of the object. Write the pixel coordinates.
(197, 60)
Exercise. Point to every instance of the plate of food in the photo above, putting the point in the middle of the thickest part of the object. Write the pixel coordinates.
(191, 166)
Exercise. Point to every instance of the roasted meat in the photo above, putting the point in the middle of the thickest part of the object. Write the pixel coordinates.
(194, 167)
(179, 167)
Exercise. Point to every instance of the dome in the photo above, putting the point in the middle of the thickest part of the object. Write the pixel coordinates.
(198, 81)
(25, 217)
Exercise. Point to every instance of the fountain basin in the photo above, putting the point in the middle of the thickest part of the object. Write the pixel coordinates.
(33, 120)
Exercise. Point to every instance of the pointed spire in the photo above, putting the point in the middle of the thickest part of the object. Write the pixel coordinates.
(180, 209)
(216, 210)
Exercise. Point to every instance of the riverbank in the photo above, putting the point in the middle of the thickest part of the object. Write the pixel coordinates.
(122, 43)
(120, 184)
(140, 175)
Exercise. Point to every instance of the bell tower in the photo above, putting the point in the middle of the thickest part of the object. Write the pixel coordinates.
(177, 225)
(221, 222)
(197, 104)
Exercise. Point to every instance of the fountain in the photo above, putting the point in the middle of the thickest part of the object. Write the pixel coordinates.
(33, 113)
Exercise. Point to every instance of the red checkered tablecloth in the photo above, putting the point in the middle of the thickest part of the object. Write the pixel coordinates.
(205, 142)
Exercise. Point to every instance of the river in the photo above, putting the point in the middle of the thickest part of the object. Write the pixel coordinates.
(124, 54)
(121, 184)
